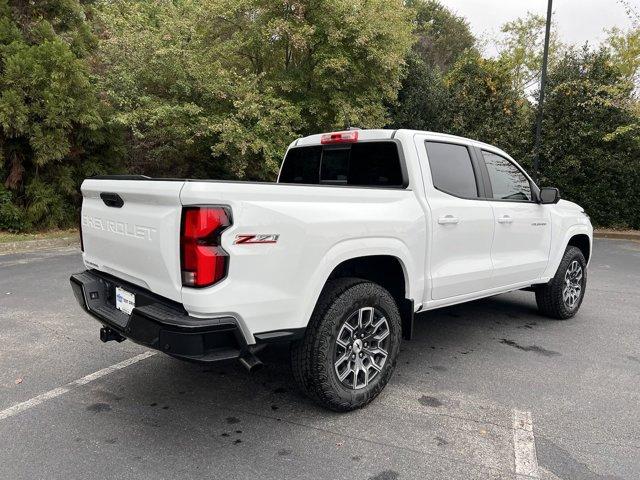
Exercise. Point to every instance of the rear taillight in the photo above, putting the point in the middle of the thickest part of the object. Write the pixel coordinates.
(204, 262)
(350, 136)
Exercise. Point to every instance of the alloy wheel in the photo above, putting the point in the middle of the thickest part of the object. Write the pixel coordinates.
(361, 347)
(572, 285)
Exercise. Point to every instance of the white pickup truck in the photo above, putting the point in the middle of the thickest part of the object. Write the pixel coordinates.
(363, 229)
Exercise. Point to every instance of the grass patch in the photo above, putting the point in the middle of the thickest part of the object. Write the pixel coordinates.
(6, 237)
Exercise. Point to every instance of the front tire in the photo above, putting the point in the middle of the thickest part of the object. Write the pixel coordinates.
(562, 296)
(350, 347)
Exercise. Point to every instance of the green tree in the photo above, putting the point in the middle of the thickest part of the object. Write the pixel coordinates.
(521, 49)
(423, 98)
(441, 38)
(50, 116)
(484, 104)
(218, 87)
(591, 143)
(624, 47)
(441, 35)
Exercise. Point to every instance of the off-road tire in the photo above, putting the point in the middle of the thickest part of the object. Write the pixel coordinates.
(549, 296)
(312, 358)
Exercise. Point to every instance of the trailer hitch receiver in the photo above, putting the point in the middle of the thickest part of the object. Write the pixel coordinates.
(107, 335)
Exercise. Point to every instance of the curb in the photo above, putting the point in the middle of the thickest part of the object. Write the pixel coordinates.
(617, 235)
(39, 245)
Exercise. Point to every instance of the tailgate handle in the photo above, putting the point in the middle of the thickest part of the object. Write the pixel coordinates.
(112, 199)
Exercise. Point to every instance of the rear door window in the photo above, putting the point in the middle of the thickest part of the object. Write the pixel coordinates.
(365, 164)
(375, 163)
(451, 169)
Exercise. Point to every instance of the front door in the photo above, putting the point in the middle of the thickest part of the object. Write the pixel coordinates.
(522, 237)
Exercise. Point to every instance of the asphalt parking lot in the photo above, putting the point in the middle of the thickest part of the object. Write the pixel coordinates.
(457, 407)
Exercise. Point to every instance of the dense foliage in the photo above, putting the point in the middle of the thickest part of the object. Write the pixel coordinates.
(218, 88)
(591, 149)
(52, 123)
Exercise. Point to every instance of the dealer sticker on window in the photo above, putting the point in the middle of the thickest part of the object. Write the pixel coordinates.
(125, 301)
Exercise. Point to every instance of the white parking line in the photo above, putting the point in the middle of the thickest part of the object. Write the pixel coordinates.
(524, 446)
(56, 392)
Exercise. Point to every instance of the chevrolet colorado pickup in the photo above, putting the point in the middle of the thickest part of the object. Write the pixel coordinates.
(363, 229)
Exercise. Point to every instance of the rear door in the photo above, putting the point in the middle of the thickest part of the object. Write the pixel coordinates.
(462, 224)
(522, 237)
(131, 229)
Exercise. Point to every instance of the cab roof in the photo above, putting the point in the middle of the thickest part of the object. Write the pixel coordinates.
(384, 134)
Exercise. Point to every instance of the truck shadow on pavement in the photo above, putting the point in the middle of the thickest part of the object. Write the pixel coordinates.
(169, 402)
(439, 337)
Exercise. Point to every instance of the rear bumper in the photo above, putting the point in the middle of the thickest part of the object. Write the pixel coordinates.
(158, 323)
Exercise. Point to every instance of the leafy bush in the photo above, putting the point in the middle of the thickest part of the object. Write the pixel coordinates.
(11, 217)
(591, 142)
(50, 113)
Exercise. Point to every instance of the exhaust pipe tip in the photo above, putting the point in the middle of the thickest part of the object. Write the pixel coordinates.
(249, 361)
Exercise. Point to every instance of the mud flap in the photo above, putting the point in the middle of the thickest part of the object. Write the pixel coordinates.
(407, 315)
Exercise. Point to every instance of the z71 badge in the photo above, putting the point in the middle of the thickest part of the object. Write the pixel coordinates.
(256, 238)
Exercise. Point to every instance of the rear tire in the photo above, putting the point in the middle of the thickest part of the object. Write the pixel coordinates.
(562, 296)
(350, 347)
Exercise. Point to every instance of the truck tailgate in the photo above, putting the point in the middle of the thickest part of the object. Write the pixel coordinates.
(139, 240)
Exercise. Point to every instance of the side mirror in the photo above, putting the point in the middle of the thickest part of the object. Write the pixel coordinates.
(549, 195)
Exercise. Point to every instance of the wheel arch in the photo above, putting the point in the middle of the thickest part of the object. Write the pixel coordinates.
(582, 242)
(386, 262)
(582, 237)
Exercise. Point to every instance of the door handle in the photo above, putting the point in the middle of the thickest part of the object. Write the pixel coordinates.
(448, 220)
(505, 219)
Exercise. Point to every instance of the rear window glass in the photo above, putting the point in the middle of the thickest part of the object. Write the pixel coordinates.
(451, 169)
(301, 165)
(358, 164)
(335, 166)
